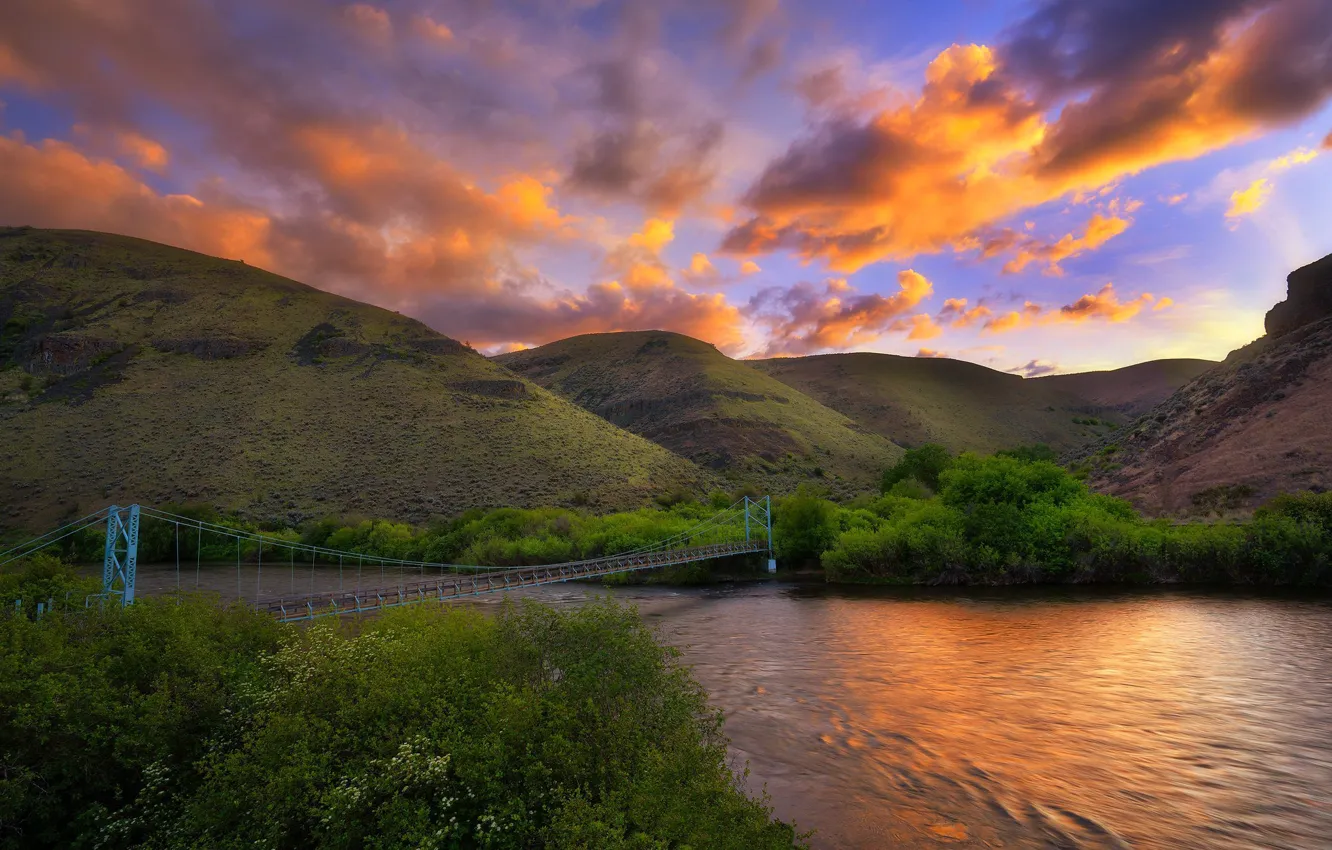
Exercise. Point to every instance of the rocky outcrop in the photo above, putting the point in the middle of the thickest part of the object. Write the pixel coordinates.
(67, 353)
(210, 348)
(1308, 299)
(1242, 432)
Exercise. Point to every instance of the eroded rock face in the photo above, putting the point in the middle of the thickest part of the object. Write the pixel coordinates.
(67, 353)
(1308, 299)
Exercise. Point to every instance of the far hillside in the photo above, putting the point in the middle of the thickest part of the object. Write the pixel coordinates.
(1132, 390)
(132, 371)
(964, 406)
(721, 413)
(1254, 426)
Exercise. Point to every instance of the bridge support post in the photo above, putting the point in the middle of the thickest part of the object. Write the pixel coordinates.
(767, 510)
(746, 519)
(120, 562)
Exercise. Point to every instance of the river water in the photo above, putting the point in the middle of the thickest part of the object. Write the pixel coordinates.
(1017, 718)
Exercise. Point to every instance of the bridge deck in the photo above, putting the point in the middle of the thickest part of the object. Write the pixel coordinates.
(458, 585)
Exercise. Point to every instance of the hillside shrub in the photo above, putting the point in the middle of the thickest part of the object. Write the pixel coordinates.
(174, 724)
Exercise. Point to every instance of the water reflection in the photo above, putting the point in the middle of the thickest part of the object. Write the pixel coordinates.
(1166, 720)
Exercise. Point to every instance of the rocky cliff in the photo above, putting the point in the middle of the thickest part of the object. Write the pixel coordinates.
(1258, 424)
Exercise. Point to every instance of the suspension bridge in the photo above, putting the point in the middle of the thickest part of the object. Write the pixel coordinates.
(305, 581)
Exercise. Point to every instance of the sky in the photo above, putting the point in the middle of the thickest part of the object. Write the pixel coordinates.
(1042, 186)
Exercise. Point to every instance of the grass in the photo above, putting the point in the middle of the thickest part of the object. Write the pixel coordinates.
(721, 413)
(963, 406)
(179, 377)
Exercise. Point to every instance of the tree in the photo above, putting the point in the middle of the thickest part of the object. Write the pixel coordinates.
(925, 464)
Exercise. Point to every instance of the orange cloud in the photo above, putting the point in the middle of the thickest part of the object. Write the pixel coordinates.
(372, 21)
(1104, 305)
(1172, 200)
(1100, 229)
(427, 27)
(54, 185)
(1248, 200)
(955, 313)
(930, 352)
(803, 319)
(749, 267)
(143, 151)
(978, 145)
(920, 326)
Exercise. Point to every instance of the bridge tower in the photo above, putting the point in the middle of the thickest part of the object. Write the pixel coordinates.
(762, 511)
(121, 560)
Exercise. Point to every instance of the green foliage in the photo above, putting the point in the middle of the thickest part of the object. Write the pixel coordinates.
(170, 725)
(1007, 519)
(925, 464)
(1222, 498)
(804, 526)
(1031, 453)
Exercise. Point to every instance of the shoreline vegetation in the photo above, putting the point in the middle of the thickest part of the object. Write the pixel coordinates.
(1014, 517)
(178, 723)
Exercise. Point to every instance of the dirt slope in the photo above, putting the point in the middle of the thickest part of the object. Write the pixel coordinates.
(1256, 425)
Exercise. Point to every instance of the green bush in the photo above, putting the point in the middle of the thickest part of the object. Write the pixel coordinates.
(805, 525)
(925, 464)
(1007, 519)
(173, 725)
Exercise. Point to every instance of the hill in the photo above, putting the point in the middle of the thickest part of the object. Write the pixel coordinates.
(1252, 427)
(133, 371)
(1132, 390)
(723, 414)
(964, 406)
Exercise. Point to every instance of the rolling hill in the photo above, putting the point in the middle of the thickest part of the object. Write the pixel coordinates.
(1254, 426)
(1132, 390)
(961, 405)
(721, 413)
(133, 371)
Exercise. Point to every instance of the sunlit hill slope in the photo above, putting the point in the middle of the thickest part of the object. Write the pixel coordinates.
(135, 371)
(724, 414)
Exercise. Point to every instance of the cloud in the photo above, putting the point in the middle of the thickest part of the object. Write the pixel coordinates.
(1327, 142)
(643, 149)
(636, 292)
(371, 21)
(1249, 199)
(1104, 305)
(1075, 97)
(1035, 368)
(749, 267)
(956, 313)
(930, 352)
(428, 28)
(55, 185)
(1030, 249)
(805, 318)
(1176, 199)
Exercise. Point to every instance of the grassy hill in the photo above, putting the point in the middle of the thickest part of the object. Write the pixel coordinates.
(1132, 390)
(721, 413)
(966, 407)
(133, 371)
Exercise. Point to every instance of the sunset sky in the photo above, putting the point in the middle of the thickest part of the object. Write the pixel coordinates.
(1035, 186)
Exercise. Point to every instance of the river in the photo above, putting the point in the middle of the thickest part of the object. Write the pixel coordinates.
(1017, 718)
(1077, 718)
